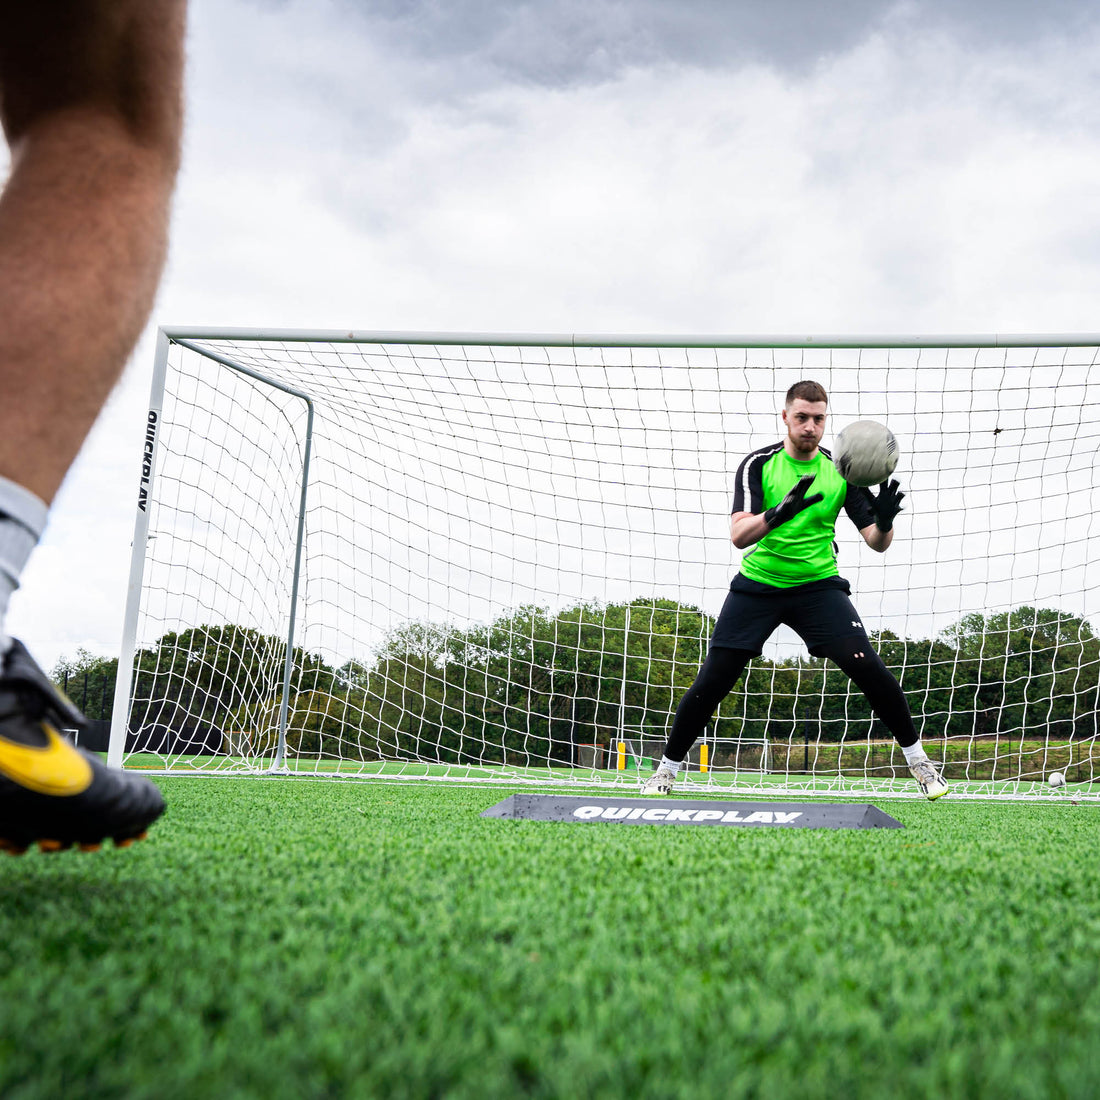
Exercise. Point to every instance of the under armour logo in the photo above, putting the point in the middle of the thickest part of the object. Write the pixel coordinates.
(857, 623)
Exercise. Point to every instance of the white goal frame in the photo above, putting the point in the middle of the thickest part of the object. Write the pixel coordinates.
(791, 358)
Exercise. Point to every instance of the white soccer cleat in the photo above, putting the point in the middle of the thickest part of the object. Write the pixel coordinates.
(928, 777)
(660, 782)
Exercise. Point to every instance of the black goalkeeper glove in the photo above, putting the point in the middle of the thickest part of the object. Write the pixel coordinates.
(887, 504)
(794, 502)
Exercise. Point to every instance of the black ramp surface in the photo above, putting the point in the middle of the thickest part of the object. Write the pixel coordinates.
(683, 811)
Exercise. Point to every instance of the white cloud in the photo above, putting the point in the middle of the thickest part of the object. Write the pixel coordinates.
(900, 186)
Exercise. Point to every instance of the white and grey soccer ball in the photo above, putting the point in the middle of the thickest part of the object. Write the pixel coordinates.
(865, 453)
(1056, 779)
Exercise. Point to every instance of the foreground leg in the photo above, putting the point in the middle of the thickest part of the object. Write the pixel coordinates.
(90, 104)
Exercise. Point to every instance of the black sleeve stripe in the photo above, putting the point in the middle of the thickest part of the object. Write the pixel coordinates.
(748, 492)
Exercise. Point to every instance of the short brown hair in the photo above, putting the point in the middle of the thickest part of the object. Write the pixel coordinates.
(808, 391)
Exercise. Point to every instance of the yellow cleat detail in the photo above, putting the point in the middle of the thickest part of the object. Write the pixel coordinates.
(53, 769)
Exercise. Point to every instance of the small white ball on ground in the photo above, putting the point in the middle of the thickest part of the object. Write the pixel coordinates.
(1056, 779)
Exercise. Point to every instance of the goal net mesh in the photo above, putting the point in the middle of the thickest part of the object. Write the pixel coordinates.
(511, 556)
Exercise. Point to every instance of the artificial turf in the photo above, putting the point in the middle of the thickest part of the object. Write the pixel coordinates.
(299, 938)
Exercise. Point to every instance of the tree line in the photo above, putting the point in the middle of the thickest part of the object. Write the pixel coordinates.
(534, 686)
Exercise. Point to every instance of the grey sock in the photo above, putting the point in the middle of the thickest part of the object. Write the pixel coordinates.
(22, 521)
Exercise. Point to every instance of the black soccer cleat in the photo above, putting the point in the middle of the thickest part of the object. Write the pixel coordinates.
(52, 793)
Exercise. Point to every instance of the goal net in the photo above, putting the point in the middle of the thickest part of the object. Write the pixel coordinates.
(500, 559)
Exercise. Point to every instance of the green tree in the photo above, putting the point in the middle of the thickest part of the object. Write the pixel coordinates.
(324, 724)
(192, 686)
(89, 681)
(1026, 670)
(531, 685)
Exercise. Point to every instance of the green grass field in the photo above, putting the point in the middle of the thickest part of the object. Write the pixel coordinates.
(826, 781)
(295, 938)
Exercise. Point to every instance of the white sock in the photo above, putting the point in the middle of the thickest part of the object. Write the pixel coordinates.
(672, 765)
(914, 752)
(22, 521)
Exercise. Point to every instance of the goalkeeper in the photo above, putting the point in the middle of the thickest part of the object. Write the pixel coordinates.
(785, 507)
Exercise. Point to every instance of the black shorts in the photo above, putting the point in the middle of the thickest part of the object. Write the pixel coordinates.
(818, 612)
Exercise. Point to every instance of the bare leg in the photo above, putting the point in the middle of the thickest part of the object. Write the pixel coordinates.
(90, 102)
(90, 105)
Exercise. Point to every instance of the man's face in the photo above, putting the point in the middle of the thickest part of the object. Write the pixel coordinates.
(805, 422)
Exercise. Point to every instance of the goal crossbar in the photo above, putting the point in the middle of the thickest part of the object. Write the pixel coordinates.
(631, 340)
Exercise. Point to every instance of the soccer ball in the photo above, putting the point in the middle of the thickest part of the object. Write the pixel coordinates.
(1056, 779)
(865, 453)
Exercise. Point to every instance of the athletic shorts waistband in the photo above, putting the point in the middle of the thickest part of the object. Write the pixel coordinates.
(749, 587)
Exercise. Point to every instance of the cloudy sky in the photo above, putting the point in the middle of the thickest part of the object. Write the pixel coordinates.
(672, 166)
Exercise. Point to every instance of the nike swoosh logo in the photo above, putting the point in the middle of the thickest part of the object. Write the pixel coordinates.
(55, 769)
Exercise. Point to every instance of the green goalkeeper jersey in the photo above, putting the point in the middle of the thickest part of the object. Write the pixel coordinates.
(804, 548)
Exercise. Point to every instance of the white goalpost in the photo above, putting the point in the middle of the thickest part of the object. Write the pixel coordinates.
(498, 558)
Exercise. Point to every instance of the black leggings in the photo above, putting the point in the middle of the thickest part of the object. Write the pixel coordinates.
(722, 668)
